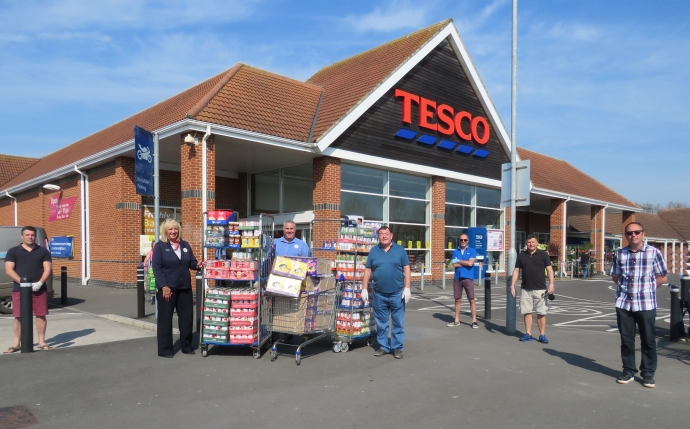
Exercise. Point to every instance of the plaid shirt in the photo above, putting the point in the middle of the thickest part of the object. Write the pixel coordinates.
(637, 273)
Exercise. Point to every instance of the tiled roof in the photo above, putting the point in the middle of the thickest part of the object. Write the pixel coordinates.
(11, 166)
(678, 219)
(557, 175)
(655, 227)
(349, 81)
(264, 102)
(164, 113)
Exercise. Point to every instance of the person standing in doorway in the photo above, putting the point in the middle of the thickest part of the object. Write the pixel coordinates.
(584, 263)
(31, 261)
(638, 270)
(463, 261)
(388, 268)
(533, 262)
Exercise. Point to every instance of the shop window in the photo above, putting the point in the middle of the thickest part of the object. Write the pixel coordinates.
(459, 193)
(458, 215)
(411, 211)
(407, 186)
(285, 190)
(368, 206)
(487, 218)
(266, 192)
(362, 179)
(488, 197)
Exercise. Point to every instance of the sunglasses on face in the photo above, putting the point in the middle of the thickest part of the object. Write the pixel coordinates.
(463, 239)
(631, 233)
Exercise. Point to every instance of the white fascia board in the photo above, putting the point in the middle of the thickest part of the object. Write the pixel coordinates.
(381, 90)
(409, 167)
(577, 198)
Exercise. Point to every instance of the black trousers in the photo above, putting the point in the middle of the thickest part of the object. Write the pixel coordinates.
(644, 320)
(182, 301)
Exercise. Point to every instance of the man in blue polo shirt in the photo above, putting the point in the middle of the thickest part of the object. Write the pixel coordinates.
(288, 244)
(389, 270)
(463, 261)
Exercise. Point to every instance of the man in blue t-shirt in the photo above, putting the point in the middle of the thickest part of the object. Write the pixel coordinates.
(388, 268)
(463, 261)
(288, 244)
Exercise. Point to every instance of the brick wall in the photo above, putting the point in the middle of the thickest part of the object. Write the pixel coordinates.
(71, 186)
(627, 218)
(228, 194)
(170, 185)
(326, 200)
(438, 228)
(557, 222)
(6, 211)
(596, 235)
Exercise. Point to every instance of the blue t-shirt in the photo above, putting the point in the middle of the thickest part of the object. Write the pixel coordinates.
(387, 268)
(464, 272)
(296, 247)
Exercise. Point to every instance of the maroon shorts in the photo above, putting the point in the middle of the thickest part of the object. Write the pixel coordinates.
(460, 284)
(40, 300)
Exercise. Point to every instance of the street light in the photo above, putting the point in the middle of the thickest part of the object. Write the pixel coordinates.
(52, 187)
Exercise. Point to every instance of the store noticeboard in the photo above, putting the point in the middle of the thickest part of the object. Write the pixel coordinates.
(149, 219)
(60, 208)
(494, 240)
(62, 247)
(145, 244)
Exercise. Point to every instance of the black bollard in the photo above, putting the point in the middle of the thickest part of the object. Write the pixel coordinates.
(684, 299)
(199, 298)
(27, 315)
(141, 299)
(487, 296)
(63, 285)
(676, 314)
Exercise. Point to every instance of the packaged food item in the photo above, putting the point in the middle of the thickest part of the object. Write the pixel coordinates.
(279, 285)
(287, 267)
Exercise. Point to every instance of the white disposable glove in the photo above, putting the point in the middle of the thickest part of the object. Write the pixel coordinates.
(36, 286)
(365, 296)
(406, 295)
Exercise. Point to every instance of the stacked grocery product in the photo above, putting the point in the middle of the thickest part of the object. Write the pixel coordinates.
(244, 324)
(286, 277)
(354, 324)
(350, 266)
(360, 237)
(251, 234)
(236, 268)
(216, 312)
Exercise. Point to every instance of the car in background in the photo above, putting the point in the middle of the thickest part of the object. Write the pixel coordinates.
(11, 236)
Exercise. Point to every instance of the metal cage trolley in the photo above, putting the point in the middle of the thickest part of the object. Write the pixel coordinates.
(233, 279)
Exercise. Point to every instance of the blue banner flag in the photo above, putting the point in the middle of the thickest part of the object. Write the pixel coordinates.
(143, 161)
(62, 247)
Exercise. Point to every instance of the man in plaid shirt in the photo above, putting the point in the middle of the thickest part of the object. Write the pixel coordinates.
(638, 270)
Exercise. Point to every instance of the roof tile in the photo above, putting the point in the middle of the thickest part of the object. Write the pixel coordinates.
(11, 166)
(678, 219)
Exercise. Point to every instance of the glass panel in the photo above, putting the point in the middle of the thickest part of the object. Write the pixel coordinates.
(368, 206)
(418, 258)
(458, 215)
(407, 235)
(452, 236)
(265, 192)
(402, 210)
(458, 193)
(406, 185)
(488, 218)
(362, 179)
(297, 194)
(488, 197)
(303, 171)
(494, 260)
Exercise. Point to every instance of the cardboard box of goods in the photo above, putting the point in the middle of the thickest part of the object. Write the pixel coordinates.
(279, 285)
(216, 303)
(288, 267)
(216, 321)
(211, 329)
(215, 338)
(315, 266)
(318, 284)
(289, 314)
(223, 294)
(216, 312)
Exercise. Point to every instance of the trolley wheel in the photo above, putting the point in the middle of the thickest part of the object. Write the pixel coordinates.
(345, 347)
(370, 341)
(274, 355)
(298, 358)
(336, 347)
(204, 351)
(257, 353)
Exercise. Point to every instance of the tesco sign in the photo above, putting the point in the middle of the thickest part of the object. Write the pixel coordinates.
(443, 118)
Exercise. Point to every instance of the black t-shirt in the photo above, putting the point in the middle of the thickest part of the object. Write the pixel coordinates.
(28, 264)
(584, 259)
(533, 266)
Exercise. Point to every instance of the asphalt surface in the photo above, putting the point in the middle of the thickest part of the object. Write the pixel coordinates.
(449, 377)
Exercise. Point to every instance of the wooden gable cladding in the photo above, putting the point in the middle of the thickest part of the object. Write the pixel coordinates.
(441, 78)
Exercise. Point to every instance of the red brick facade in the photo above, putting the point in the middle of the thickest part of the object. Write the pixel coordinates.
(558, 225)
(438, 228)
(326, 200)
(596, 236)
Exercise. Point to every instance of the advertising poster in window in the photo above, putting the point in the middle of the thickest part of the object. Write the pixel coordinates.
(494, 240)
(149, 224)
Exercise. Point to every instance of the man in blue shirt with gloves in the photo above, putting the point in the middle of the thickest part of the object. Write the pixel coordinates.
(463, 261)
(389, 268)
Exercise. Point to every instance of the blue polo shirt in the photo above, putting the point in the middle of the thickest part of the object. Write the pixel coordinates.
(387, 268)
(296, 247)
(464, 272)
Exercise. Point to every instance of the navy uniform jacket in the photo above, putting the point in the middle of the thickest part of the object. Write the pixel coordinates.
(171, 271)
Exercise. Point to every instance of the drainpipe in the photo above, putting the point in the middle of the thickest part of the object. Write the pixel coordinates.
(602, 256)
(85, 230)
(15, 206)
(204, 179)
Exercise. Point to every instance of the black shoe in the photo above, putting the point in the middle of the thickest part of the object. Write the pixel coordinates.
(397, 353)
(379, 353)
(648, 381)
(189, 352)
(624, 378)
(166, 355)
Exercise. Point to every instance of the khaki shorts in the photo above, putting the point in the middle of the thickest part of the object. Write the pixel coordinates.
(533, 301)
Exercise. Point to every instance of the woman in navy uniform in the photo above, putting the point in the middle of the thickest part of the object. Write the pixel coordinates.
(172, 260)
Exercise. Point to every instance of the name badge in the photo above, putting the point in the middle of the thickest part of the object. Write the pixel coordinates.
(184, 250)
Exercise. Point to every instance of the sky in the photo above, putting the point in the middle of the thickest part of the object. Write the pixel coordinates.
(602, 84)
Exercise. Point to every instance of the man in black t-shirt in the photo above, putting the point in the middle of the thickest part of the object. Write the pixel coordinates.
(584, 263)
(31, 261)
(533, 262)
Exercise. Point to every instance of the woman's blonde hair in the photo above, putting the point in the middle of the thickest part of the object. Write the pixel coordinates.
(169, 224)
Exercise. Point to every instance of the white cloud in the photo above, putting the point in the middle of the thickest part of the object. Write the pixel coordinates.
(398, 14)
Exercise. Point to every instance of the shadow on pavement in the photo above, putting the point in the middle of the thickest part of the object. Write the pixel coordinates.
(66, 338)
(674, 350)
(584, 363)
(70, 302)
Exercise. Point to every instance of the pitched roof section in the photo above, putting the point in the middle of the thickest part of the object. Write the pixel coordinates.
(655, 227)
(264, 102)
(348, 82)
(11, 166)
(164, 113)
(678, 219)
(556, 175)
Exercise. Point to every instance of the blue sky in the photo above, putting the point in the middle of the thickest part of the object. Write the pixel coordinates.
(604, 85)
